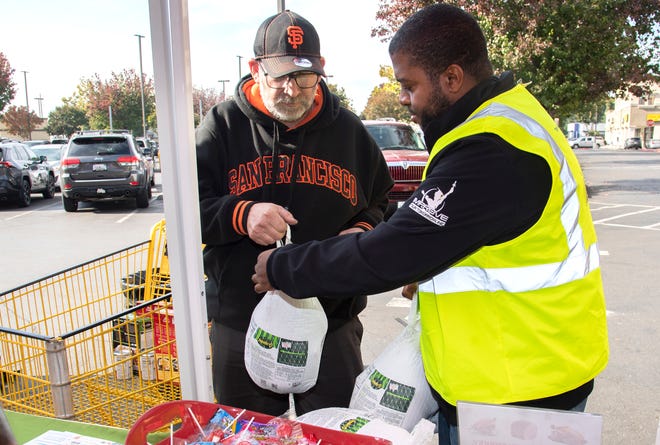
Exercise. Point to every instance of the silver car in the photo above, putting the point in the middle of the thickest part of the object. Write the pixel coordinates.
(53, 153)
(104, 166)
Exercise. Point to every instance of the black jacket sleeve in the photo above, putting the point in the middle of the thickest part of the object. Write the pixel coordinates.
(479, 191)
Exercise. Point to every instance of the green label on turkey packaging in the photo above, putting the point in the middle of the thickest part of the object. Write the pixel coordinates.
(398, 396)
(292, 353)
(266, 340)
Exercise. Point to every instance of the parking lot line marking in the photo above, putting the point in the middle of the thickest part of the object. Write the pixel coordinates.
(652, 209)
(606, 206)
(629, 226)
(652, 226)
(19, 215)
(121, 220)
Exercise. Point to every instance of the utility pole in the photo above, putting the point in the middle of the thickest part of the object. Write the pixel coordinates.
(280, 5)
(239, 67)
(39, 100)
(223, 82)
(144, 122)
(27, 106)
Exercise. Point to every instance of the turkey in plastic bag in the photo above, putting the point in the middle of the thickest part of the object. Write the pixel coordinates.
(284, 342)
(394, 388)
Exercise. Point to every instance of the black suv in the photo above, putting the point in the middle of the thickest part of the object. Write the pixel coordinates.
(103, 166)
(22, 173)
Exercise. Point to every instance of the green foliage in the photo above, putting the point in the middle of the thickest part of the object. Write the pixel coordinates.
(384, 99)
(122, 93)
(344, 101)
(19, 122)
(204, 98)
(66, 120)
(7, 86)
(574, 54)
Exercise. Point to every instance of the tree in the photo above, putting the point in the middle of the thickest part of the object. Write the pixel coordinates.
(384, 99)
(16, 120)
(344, 101)
(66, 120)
(204, 99)
(7, 86)
(575, 54)
(122, 93)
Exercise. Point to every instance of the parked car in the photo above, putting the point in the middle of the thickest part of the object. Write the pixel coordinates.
(405, 154)
(633, 143)
(53, 153)
(104, 166)
(654, 143)
(22, 173)
(34, 142)
(588, 142)
(145, 148)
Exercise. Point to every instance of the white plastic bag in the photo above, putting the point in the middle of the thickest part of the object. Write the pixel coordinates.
(358, 422)
(284, 342)
(394, 387)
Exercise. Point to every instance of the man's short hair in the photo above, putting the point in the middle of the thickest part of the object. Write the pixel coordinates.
(441, 35)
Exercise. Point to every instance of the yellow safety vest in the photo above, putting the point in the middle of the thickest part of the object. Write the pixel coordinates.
(524, 319)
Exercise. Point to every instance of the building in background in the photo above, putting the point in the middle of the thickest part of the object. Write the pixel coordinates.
(634, 117)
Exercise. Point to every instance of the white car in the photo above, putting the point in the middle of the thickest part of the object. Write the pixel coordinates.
(588, 142)
(53, 153)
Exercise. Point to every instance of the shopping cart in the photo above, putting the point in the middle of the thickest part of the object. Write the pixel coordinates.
(84, 343)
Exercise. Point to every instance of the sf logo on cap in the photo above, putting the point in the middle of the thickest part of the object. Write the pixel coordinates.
(295, 34)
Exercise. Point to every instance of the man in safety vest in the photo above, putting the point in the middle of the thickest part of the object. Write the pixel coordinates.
(499, 235)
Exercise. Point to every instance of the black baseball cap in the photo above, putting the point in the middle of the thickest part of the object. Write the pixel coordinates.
(286, 43)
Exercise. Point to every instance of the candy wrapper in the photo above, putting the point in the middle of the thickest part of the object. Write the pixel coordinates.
(225, 429)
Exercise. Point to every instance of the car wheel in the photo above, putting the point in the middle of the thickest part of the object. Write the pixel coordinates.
(50, 188)
(70, 204)
(576, 146)
(24, 194)
(142, 198)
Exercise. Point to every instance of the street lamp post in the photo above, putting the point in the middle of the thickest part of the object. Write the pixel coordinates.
(39, 100)
(144, 122)
(239, 67)
(27, 107)
(223, 82)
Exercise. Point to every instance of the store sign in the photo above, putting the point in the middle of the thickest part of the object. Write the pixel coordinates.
(650, 123)
(483, 424)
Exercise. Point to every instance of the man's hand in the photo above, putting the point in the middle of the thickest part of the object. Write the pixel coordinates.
(267, 223)
(409, 290)
(260, 277)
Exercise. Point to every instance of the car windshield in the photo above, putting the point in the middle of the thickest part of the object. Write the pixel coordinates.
(396, 137)
(98, 146)
(53, 154)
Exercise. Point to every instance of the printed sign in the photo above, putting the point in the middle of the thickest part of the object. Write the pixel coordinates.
(485, 424)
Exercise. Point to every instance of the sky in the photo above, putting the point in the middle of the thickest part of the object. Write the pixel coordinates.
(58, 43)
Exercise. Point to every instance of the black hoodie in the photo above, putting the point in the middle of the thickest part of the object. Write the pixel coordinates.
(342, 181)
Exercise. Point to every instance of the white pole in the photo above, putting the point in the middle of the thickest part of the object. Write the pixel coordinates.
(170, 42)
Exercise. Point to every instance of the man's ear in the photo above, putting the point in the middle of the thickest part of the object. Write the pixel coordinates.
(254, 68)
(452, 79)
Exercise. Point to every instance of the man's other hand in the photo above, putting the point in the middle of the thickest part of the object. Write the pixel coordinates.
(260, 277)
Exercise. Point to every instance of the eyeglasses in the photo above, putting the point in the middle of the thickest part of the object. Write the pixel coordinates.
(303, 79)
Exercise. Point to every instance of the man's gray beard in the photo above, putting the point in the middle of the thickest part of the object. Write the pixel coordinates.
(283, 116)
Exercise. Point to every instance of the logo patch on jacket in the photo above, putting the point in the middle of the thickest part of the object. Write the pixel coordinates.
(431, 203)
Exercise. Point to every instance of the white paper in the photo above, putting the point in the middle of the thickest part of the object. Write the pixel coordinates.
(67, 438)
(483, 424)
